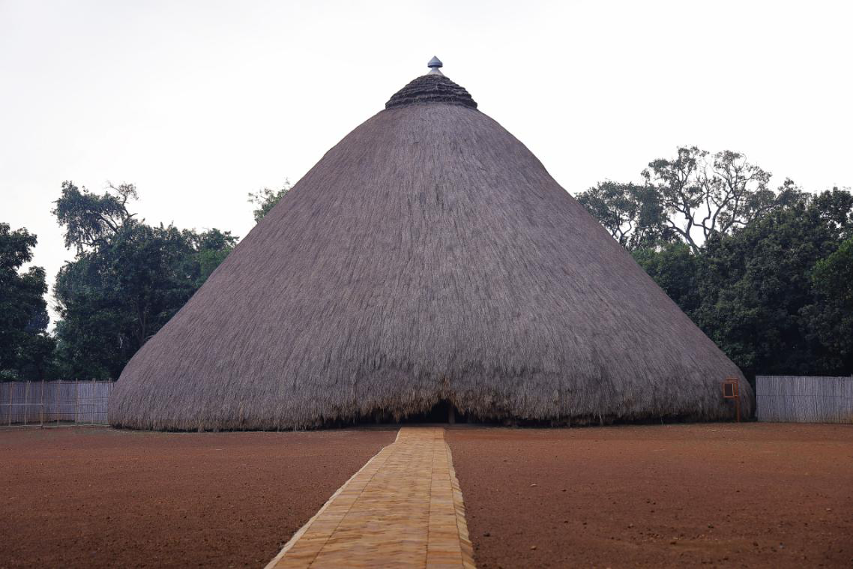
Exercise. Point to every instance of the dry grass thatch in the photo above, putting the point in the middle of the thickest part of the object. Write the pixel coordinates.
(428, 256)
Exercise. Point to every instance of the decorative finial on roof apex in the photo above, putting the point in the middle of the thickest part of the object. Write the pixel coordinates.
(434, 65)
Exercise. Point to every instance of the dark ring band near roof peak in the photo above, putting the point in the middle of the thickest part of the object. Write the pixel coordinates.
(431, 88)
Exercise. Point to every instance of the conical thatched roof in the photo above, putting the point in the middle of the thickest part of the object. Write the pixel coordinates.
(428, 256)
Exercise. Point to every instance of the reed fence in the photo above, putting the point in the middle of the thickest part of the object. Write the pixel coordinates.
(778, 399)
(819, 399)
(80, 402)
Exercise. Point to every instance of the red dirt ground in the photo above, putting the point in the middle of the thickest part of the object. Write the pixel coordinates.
(77, 497)
(701, 495)
(753, 495)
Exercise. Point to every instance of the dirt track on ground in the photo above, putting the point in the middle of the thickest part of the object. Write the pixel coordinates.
(100, 498)
(701, 495)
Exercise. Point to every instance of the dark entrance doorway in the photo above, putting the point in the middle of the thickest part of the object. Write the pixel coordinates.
(443, 412)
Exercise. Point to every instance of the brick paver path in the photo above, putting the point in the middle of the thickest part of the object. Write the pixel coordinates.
(403, 509)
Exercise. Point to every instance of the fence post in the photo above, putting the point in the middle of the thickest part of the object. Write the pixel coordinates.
(41, 407)
(10, 402)
(27, 403)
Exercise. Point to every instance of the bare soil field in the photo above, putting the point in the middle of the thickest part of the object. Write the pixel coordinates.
(701, 495)
(690, 495)
(101, 498)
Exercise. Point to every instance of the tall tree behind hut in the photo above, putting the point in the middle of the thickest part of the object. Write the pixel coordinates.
(634, 214)
(127, 279)
(686, 198)
(265, 199)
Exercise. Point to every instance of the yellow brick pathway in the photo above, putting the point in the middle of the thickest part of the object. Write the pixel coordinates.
(403, 509)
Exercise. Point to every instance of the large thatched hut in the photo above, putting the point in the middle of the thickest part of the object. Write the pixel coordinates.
(428, 257)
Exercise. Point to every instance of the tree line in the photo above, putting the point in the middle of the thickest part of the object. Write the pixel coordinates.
(127, 279)
(766, 273)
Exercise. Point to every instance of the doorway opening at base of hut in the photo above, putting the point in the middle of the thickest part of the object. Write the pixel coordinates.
(442, 412)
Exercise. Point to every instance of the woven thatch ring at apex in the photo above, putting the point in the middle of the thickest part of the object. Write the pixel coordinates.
(428, 257)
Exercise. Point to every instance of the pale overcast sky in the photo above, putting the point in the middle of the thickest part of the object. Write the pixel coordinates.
(199, 103)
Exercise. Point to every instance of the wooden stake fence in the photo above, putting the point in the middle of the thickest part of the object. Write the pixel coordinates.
(804, 399)
(75, 402)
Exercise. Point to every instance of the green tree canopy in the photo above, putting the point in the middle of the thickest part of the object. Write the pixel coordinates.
(633, 214)
(703, 194)
(766, 274)
(25, 347)
(676, 269)
(686, 198)
(126, 282)
(768, 298)
(265, 199)
(827, 319)
(91, 219)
